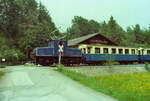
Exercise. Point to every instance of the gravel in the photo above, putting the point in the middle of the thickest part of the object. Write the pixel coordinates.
(105, 70)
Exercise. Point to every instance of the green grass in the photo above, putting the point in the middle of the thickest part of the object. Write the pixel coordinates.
(2, 74)
(7, 64)
(3, 65)
(124, 87)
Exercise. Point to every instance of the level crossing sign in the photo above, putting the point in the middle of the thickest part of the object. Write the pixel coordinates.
(60, 50)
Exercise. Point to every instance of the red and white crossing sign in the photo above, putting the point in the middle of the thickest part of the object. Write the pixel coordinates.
(60, 50)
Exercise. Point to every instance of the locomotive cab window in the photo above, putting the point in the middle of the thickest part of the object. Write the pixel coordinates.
(113, 51)
(51, 44)
(105, 50)
(148, 52)
(126, 51)
(120, 51)
(97, 50)
(133, 51)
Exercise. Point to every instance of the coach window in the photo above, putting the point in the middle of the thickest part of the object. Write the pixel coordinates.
(126, 51)
(120, 51)
(133, 51)
(113, 51)
(142, 52)
(148, 52)
(97, 50)
(89, 50)
(105, 50)
(84, 50)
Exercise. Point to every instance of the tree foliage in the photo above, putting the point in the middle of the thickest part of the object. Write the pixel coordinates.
(24, 24)
(81, 27)
(132, 36)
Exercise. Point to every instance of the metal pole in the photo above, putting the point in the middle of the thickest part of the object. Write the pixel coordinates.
(59, 59)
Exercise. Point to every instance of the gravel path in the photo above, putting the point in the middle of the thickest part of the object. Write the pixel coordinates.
(43, 84)
(105, 70)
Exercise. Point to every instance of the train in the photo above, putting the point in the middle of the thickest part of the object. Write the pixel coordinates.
(100, 53)
(49, 55)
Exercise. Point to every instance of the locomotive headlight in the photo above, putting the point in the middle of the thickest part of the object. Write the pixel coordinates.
(3, 60)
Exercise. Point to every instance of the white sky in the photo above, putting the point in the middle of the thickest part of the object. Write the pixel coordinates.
(125, 12)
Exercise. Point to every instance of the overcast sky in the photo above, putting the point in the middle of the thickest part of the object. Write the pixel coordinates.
(125, 12)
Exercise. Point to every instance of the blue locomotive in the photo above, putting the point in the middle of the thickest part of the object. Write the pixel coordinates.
(93, 55)
(49, 55)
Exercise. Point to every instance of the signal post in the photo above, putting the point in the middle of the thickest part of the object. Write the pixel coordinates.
(60, 51)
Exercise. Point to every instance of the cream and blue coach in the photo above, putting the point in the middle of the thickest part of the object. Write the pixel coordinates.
(96, 49)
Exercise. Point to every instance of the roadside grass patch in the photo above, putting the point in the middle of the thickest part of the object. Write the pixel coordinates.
(124, 87)
(29, 64)
(2, 74)
(3, 65)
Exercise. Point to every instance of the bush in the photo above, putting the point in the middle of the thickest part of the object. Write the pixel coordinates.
(135, 63)
(147, 66)
(21, 56)
(12, 56)
(111, 63)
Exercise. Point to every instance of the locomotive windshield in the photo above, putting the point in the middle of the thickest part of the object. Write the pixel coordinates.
(51, 44)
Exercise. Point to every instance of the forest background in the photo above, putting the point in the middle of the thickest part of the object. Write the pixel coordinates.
(26, 24)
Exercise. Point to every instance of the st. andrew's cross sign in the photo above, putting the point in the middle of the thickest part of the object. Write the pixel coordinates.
(61, 46)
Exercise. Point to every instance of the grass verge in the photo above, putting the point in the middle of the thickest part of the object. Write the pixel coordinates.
(3, 65)
(2, 74)
(124, 87)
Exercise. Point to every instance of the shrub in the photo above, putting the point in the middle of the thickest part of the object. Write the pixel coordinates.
(135, 63)
(147, 66)
(111, 63)
(12, 56)
(21, 56)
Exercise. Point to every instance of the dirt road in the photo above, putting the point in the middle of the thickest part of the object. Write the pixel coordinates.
(43, 84)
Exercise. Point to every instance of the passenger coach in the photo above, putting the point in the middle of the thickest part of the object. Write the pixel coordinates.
(97, 49)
